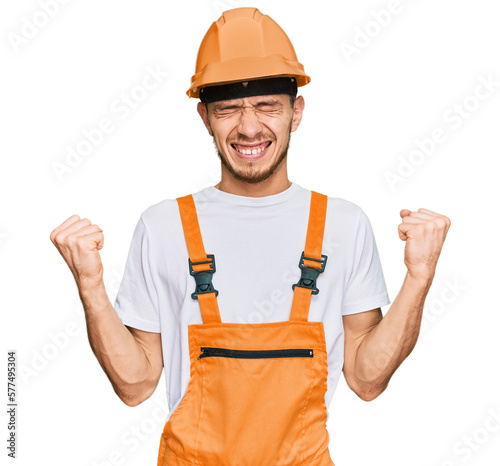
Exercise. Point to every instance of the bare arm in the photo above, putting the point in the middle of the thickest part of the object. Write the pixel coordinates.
(132, 359)
(375, 346)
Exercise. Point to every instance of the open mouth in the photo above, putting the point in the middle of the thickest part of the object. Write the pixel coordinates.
(251, 151)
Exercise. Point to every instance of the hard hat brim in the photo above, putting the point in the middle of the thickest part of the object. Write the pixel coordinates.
(244, 69)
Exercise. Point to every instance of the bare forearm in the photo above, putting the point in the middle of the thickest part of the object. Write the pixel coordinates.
(385, 347)
(120, 355)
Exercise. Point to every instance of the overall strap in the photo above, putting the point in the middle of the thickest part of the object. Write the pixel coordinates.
(312, 262)
(201, 265)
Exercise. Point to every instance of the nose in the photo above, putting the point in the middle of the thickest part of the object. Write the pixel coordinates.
(249, 124)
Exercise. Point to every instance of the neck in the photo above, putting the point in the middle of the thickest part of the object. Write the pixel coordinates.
(268, 187)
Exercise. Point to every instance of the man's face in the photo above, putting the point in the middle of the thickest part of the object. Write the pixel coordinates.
(252, 134)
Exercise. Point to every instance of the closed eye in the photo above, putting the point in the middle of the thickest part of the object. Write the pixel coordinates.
(266, 107)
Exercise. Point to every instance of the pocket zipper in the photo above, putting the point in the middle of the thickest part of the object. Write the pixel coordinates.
(256, 354)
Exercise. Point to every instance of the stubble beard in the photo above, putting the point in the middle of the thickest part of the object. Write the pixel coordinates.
(249, 174)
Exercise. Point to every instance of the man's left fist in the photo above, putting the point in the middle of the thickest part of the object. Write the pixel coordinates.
(424, 232)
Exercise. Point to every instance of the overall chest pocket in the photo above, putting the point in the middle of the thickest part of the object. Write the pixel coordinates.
(210, 351)
(253, 405)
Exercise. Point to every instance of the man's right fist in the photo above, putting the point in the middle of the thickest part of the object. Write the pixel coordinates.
(79, 242)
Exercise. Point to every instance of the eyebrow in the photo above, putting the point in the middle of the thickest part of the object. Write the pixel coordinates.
(224, 107)
(234, 106)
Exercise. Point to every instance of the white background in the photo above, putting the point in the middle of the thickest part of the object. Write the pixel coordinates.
(363, 113)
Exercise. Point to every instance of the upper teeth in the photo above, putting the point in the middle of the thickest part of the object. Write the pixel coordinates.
(251, 151)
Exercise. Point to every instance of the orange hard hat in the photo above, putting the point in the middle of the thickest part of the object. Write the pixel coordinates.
(244, 44)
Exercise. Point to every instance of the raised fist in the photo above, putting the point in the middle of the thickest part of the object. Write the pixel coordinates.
(424, 232)
(79, 242)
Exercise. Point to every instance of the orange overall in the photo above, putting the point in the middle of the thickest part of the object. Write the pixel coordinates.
(256, 394)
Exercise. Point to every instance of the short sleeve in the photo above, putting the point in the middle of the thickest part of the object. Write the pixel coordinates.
(136, 302)
(366, 288)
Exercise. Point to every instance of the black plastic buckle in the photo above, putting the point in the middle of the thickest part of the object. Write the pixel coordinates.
(203, 278)
(310, 274)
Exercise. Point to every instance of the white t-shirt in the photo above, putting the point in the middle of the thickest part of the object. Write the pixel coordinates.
(257, 243)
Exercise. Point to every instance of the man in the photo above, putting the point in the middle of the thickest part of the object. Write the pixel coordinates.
(254, 221)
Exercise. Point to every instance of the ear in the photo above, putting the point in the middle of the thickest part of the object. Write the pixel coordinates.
(298, 108)
(203, 111)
